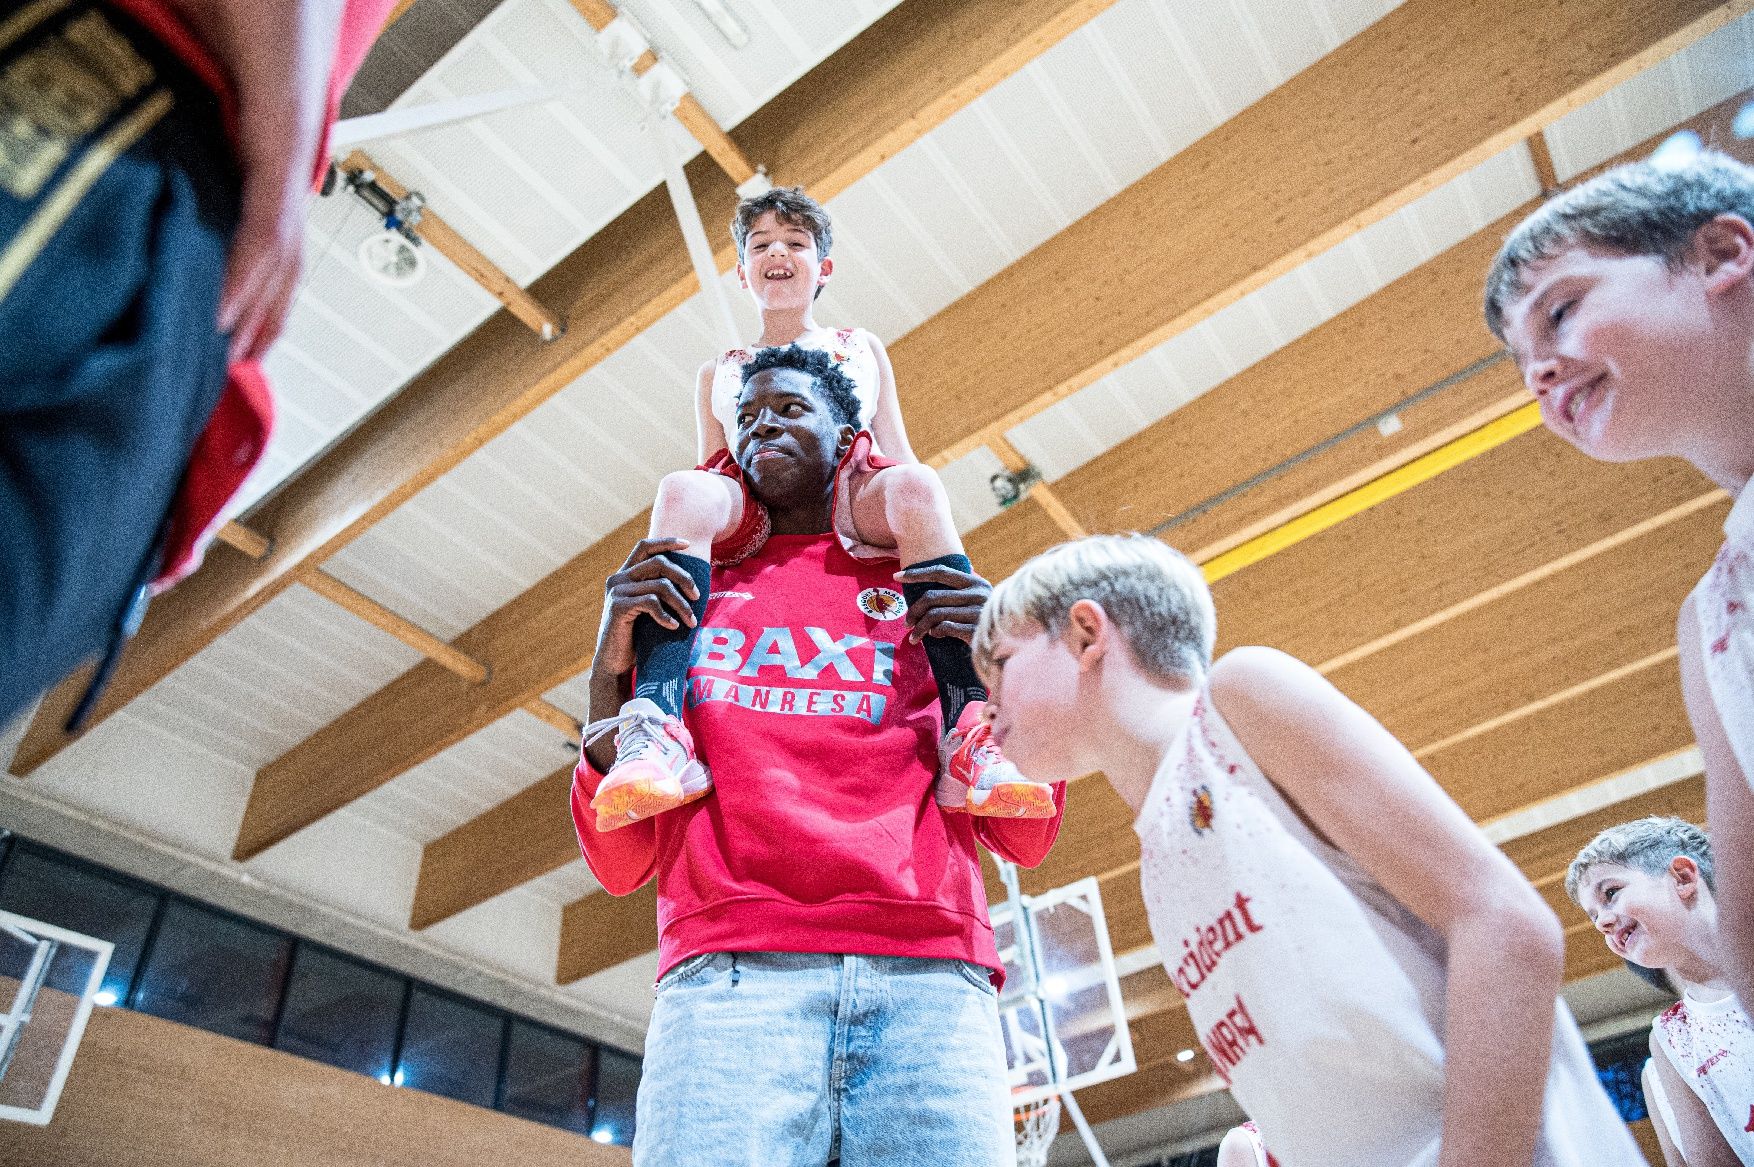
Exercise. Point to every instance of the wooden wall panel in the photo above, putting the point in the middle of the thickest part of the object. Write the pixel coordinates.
(600, 931)
(145, 1092)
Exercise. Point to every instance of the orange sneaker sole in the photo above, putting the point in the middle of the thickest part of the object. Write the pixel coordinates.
(1014, 800)
(631, 802)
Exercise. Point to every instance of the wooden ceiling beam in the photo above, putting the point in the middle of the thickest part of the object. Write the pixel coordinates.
(868, 101)
(1427, 92)
(451, 244)
(523, 838)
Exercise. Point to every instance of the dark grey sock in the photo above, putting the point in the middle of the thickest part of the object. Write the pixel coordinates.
(951, 660)
(660, 654)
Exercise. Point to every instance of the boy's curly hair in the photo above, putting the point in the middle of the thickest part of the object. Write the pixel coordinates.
(833, 387)
(794, 207)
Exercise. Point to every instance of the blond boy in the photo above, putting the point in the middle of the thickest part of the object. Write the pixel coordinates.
(1648, 887)
(1628, 304)
(1373, 980)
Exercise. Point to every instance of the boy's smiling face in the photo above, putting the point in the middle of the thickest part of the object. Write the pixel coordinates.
(780, 266)
(1644, 918)
(1613, 347)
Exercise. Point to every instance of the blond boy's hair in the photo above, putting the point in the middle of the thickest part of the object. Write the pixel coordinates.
(1156, 597)
(1648, 845)
(1636, 209)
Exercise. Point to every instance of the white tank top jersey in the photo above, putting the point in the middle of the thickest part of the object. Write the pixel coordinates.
(1318, 997)
(851, 349)
(1724, 601)
(1711, 1046)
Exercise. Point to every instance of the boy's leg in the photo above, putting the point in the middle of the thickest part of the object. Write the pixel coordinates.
(113, 246)
(700, 507)
(905, 507)
(738, 1062)
(926, 1078)
(655, 768)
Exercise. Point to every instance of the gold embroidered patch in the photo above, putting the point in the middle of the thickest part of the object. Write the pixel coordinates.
(57, 92)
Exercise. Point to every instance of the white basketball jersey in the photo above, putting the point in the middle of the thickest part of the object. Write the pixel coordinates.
(1317, 996)
(1711, 1046)
(1724, 601)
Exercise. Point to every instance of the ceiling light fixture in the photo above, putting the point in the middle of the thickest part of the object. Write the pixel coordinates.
(725, 21)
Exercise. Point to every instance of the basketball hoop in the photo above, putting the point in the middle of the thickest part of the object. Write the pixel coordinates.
(1036, 1124)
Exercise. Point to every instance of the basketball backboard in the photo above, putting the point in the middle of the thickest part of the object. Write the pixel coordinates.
(1064, 1023)
(49, 978)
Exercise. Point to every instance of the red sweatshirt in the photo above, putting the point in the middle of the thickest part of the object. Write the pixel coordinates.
(237, 433)
(820, 724)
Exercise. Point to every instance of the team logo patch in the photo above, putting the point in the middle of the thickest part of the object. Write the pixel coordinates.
(882, 603)
(1200, 810)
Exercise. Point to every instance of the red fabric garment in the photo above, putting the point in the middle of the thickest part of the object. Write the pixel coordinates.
(820, 725)
(237, 434)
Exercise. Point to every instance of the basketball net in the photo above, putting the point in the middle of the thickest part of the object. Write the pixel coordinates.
(1036, 1123)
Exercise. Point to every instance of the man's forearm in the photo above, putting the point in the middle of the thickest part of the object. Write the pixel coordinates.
(608, 692)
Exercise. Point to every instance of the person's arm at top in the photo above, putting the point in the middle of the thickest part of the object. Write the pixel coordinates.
(1695, 1129)
(709, 434)
(886, 424)
(1660, 1115)
(953, 608)
(279, 58)
(1361, 789)
(1729, 811)
(623, 859)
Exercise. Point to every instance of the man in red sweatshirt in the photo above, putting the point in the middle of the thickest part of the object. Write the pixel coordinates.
(827, 974)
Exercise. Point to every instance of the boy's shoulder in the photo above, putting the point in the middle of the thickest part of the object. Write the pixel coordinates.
(1251, 674)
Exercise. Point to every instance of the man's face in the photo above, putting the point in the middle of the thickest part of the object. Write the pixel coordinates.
(780, 266)
(1643, 917)
(787, 444)
(1613, 346)
(1033, 703)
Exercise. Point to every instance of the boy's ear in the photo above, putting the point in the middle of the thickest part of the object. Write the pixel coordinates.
(1724, 247)
(1087, 632)
(1685, 872)
(742, 276)
(826, 271)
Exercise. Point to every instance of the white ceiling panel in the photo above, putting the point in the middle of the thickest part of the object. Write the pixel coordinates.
(1710, 70)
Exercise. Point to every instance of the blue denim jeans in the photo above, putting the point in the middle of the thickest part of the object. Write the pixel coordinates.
(778, 1059)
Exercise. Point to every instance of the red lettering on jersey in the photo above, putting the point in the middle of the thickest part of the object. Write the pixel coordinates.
(840, 703)
(810, 702)
(864, 709)
(788, 700)
(1228, 1041)
(1203, 950)
(759, 697)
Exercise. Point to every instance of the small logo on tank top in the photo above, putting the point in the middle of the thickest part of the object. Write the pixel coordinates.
(1200, 810)
(882, 603)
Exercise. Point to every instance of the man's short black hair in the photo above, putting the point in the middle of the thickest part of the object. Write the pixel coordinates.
(833, 387)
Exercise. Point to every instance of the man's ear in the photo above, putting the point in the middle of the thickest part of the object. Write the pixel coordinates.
(1724, 248)
(1685, 872)
(844, 438)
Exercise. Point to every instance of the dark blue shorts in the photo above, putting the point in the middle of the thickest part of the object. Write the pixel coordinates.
(118, 198)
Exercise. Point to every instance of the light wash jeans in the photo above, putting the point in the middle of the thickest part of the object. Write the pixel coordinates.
(775, 1059)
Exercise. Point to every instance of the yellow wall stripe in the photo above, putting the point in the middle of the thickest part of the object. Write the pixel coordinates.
(59, 203)
(1378, 490)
